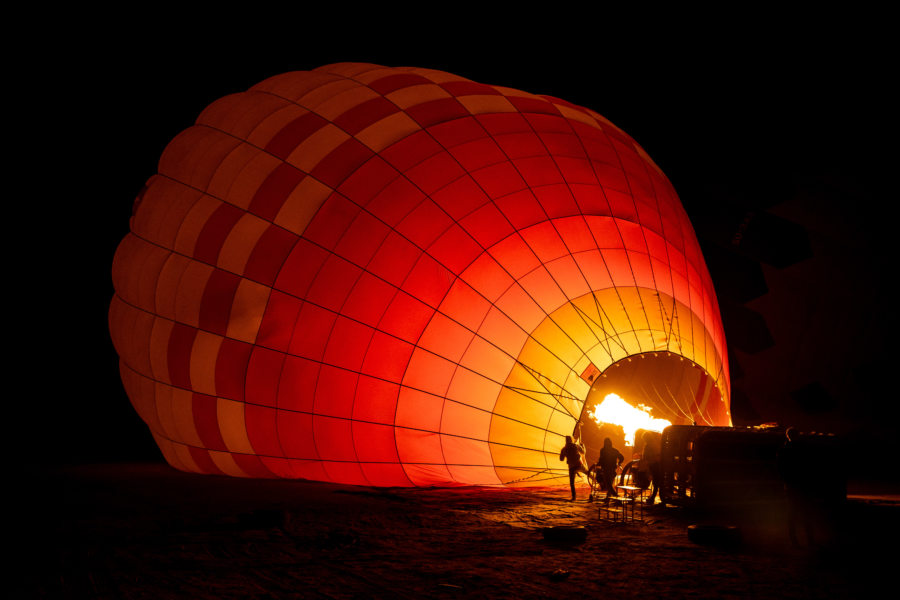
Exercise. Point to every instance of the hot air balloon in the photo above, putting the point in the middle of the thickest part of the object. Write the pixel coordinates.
(401, 277)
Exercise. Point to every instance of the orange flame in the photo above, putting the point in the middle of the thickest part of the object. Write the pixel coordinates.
(615, 411)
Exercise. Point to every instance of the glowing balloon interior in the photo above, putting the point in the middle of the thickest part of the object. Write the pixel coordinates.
(400, 277)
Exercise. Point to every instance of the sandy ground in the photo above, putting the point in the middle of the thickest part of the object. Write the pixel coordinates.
(148, 531)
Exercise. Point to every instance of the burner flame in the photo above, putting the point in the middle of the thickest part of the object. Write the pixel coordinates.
(614, 410)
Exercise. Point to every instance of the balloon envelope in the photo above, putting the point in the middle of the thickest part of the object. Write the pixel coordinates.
(397, 276)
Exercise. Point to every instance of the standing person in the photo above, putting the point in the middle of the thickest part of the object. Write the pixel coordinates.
(609, 462)
(573, 454)
(651, 461)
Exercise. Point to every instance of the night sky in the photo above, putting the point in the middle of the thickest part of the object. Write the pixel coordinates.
(777, 139)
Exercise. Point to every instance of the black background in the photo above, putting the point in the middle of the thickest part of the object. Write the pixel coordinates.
(777, 133)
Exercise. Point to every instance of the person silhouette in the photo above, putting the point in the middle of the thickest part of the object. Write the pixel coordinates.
(609, 461)
(573, 454)
(651, 462)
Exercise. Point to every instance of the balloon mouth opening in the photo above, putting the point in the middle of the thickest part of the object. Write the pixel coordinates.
(641, 393)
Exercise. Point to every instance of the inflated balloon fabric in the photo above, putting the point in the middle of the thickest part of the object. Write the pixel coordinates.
(400, 277)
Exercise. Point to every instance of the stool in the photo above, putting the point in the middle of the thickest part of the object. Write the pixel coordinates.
(617, 509)
(636, 494)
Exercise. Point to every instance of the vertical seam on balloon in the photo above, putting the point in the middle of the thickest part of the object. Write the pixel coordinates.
(666, 245)
(581, 213)
(614, 217)
(483, 249)
(424, 250)
(271, 288)
(615, 221)
(204, 192)
(637, 216)
(556, 230)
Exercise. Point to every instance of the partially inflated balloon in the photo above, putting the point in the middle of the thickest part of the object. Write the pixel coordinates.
(397, 276)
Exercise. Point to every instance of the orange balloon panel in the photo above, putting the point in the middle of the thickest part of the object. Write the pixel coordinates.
(397, 276)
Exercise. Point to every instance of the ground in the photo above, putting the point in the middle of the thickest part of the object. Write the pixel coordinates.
(148, 531)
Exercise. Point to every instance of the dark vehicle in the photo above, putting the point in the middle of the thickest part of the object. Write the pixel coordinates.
(737, 467)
